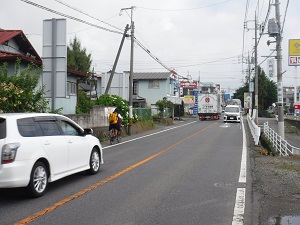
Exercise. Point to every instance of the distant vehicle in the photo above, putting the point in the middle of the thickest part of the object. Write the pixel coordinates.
(234, 101)
(37, 148)
(209, 106)
(232, 113)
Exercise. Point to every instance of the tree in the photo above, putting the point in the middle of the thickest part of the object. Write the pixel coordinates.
(163, 104)
(83, 102)
(267, 92)
(78, 59)
(19, 93)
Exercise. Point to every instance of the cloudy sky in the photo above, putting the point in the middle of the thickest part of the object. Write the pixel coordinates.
(196, 38)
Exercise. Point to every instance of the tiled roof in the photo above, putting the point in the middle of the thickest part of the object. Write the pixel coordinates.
(152, 76)
(23, 44)
(76, 73)
(6, 35)
(14, 56)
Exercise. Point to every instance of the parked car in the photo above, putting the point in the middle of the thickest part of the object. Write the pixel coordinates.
(37, 148)
(232, 113)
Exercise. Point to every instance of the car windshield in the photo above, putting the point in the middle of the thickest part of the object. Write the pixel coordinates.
(231, 109)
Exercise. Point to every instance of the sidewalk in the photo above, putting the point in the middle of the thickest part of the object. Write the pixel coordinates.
(291, 133)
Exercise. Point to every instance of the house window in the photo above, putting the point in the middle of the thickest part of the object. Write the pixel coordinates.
(153, 84)
(71, 88)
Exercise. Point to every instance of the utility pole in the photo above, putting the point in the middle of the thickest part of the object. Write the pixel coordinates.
(249, 82)
(116, 60)
(279, 73)
(256, 74)
(131, 70)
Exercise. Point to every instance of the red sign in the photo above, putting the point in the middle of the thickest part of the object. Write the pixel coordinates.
(189, 84)
(296, 106)
(207, 100)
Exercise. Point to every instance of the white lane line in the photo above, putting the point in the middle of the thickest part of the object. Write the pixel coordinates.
(134, 139)
(239, 208)
(243, 170)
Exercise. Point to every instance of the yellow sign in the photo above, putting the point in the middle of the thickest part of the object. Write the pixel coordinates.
(189, 99)
(294, 47)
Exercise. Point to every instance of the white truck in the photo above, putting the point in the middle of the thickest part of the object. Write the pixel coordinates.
(209, 106)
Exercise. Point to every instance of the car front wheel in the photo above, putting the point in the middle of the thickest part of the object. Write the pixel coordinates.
(38, 180)
(94, 162)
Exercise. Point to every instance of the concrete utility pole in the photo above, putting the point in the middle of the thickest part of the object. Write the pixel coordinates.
(256, 74)
(116, 60)
(279, 73)
(131, 70)
(249, 82)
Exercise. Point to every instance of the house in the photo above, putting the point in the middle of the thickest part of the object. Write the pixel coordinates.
(289, 98)
(14, 44)
(149, 87)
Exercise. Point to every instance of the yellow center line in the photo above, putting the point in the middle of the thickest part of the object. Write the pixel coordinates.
(102, 182)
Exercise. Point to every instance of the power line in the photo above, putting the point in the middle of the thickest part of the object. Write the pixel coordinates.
(287, 4)
(176, 10)
(70, 17)
(84, 13)
(157, 60)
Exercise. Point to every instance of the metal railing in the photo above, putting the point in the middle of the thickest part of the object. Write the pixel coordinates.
(280, 145)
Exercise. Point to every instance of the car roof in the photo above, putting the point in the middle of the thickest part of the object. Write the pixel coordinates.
(25, 115)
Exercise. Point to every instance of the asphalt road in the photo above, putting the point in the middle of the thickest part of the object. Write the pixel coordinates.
(189, 173)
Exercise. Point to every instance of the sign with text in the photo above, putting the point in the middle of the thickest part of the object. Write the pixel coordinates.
(189, 84)
(294, 52)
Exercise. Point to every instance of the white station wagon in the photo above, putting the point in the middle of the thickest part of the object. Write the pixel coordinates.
(37, 148)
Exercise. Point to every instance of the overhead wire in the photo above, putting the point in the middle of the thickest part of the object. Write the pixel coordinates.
(157, 60)
(176, 10)
(286, 8)
(70, 17)
(113, 31)
(244, 30)
(84, 13)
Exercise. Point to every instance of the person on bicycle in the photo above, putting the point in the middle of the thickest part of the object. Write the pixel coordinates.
(114, 121)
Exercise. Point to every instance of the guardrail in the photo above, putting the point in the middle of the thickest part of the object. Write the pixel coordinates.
(281, 145)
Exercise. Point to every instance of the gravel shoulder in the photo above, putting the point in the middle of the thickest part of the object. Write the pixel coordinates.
(275, 186)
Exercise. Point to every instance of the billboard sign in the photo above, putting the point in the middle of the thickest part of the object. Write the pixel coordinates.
(294, 52)
(247, 100)
(189, 99)
(55, 58)
(189, 84)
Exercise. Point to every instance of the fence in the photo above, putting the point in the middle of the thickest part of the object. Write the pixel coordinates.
(143, 113)
(255, 130)
(280, 145)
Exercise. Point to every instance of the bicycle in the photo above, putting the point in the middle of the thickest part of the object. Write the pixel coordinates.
(113, 138)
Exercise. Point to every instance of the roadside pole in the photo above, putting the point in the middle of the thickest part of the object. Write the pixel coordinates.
(279, 73)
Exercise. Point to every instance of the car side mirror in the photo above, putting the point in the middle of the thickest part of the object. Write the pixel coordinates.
(88, 131)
